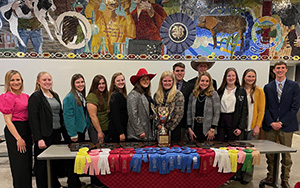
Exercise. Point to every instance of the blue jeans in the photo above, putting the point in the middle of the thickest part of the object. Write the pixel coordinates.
(36, 37)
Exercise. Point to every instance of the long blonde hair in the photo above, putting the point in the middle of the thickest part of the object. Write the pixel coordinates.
(208, 91)
(40, 74)
(159, 98)
(8, 76)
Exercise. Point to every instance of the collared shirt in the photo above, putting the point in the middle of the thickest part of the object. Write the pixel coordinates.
(179, 85)
(228, 101)
(277, 83)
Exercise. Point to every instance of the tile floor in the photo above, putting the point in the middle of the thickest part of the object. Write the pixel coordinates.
(259, 173)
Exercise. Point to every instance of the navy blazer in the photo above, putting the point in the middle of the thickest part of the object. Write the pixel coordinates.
(284, 111)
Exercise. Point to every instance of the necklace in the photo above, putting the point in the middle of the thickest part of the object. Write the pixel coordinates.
(203, 97)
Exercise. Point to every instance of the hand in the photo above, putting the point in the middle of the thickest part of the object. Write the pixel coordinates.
(191, 134)
(21, 145)
(143, 135)
(122, 137)
(276, 125)
(210, 134)
(237, 132)
(42, 144)
(101, 137)
(256, 130)
(159, 127)
(145, 5)
(74, 139)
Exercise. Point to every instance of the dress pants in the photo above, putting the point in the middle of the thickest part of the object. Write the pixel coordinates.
(285, 138)
(20, 163)
(225, 129)
(59, 168)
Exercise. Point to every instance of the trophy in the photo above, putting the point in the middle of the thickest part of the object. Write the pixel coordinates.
(162, 115)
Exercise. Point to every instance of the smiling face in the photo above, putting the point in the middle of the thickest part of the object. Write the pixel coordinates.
(145, 81)
(79, 84)
(16, 83)
(120, 82)
(167, 83)
(101, 85)
(204, 82)
(231, 78)
(202, 67)
(250, 78)
(179, 73)
(280, 71)
(45, 82)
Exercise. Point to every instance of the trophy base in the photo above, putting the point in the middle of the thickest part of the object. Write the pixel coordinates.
(163, 141)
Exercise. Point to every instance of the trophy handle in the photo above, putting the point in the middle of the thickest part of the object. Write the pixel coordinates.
(154, 111)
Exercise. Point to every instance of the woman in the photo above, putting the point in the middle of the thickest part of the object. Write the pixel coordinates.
(75, 111)
(97, 103)
(203, 109)
(234, 108)
(167, 95)
(118, 116)
(256, 112)
(256, 104)
(13, 105)
(139, 125)
(46, 123)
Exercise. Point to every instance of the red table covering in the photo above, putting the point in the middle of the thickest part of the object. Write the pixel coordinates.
(176, 178)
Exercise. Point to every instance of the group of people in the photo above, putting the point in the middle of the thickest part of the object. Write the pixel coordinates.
(199, 111)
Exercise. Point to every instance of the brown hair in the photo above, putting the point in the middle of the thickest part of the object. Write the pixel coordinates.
(208, 91)
(280, 63)
(112, 87)
(94, 89)
(178, 64)
(73, 89)
(253, 85)
(8, 76)
(224, 82)
(138, 87)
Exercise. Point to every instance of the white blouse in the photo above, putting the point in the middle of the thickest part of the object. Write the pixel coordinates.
(228, 101)
(250, 112)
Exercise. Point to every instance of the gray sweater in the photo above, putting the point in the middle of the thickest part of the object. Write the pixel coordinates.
(212, 108)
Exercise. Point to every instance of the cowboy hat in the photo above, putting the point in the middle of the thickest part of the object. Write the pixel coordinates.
(141, 73)
(202, 60)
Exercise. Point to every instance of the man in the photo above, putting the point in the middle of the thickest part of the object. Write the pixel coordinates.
(202, 65)
(186, 89)
(282, 105)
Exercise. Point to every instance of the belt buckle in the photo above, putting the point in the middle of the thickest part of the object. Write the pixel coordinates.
(199, 119)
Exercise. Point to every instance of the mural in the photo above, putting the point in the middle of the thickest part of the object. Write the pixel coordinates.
(151, 29)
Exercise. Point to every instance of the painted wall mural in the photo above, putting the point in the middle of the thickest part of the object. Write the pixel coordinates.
(151, 29)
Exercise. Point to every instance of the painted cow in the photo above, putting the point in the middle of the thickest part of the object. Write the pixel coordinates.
(27, 9)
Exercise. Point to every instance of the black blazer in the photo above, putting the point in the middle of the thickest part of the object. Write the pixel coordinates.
(240, 114)
(118, 116)
(40, 115)
(193, 81)
(186, 90)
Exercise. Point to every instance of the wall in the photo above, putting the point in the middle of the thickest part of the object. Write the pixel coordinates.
(62, 70)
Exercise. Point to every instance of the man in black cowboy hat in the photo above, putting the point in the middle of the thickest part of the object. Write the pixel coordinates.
(202, 65)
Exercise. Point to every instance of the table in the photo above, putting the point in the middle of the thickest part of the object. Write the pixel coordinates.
(269, 147)
(57, 152)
